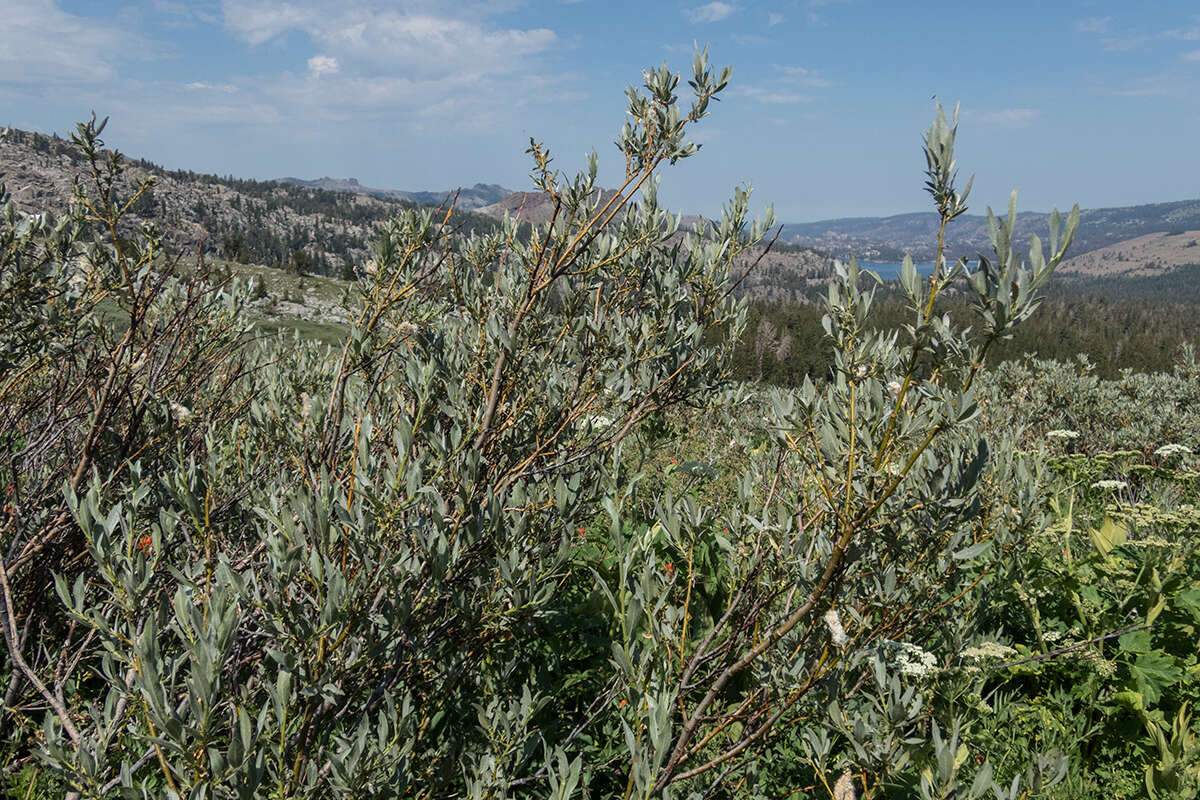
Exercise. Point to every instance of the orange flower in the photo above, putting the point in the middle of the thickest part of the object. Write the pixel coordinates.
(669, 568)
(146, 544)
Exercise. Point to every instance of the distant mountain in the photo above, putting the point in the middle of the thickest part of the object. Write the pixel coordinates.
(889, 238)
(477, 196)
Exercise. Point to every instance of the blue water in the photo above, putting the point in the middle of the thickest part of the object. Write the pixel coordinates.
(890, 270)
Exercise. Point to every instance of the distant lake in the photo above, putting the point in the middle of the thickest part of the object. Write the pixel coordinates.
(890, 270)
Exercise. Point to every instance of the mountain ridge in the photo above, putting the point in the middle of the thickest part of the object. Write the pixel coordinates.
(914, 233)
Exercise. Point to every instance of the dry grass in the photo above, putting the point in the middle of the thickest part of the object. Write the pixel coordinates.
(1145, 255)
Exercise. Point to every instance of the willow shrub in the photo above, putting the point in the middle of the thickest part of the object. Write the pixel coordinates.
(329, 573)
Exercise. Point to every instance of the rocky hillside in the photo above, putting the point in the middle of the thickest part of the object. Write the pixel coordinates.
(300, 228)
(322, 227)
(1151, 254)
(532, 207)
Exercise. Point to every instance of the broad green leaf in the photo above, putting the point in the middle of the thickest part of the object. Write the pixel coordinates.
(1153, 672)
(1111, 534)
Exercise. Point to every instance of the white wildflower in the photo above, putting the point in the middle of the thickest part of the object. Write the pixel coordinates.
(180, 413)
(836, 632)
(894, 388)
(599, 422)
(305, 405)
(988, 650)
(1168, 450)
(1062, 434)
(1110, 484)
(912, 660)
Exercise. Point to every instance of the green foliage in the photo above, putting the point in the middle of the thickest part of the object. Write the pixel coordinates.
(1119, 324)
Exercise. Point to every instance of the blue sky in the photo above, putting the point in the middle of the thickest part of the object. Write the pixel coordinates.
(1070, 101)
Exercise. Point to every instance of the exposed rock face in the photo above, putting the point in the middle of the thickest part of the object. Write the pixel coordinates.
(533, 207)
(468, 198)
(311, 229)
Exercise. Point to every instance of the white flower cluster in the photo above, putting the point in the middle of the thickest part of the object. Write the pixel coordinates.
(985, 651)
(599, 422)
(1110, 484)
(1168, 450)
(912, 660)
(1062, 434)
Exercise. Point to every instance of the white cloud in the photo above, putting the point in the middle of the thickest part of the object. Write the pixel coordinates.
(1191, 34)
(774, 19)
(710, 12)
(1093, 25)
(42, 44)
(803, 76)
(1010, 117)
(378, 38)
(180, 13)
(429, 60)
(228, 88)
(1192, 56)
(323, 65)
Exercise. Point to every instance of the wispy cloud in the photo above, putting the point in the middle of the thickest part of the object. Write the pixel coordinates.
(1160, 85)
(774, 19)
(1100, 26)
(378, 38)
(751, 40)
(1194, 55)
(375, 60)
(228, 88)
(1009, 117)
(1123, 44)
(710, 12)
(323, 65)
(803, 76)
(1191, 34)
(773, 96)
(42, 44)
(1093, 25)
(1142, 91)
(180, 14)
